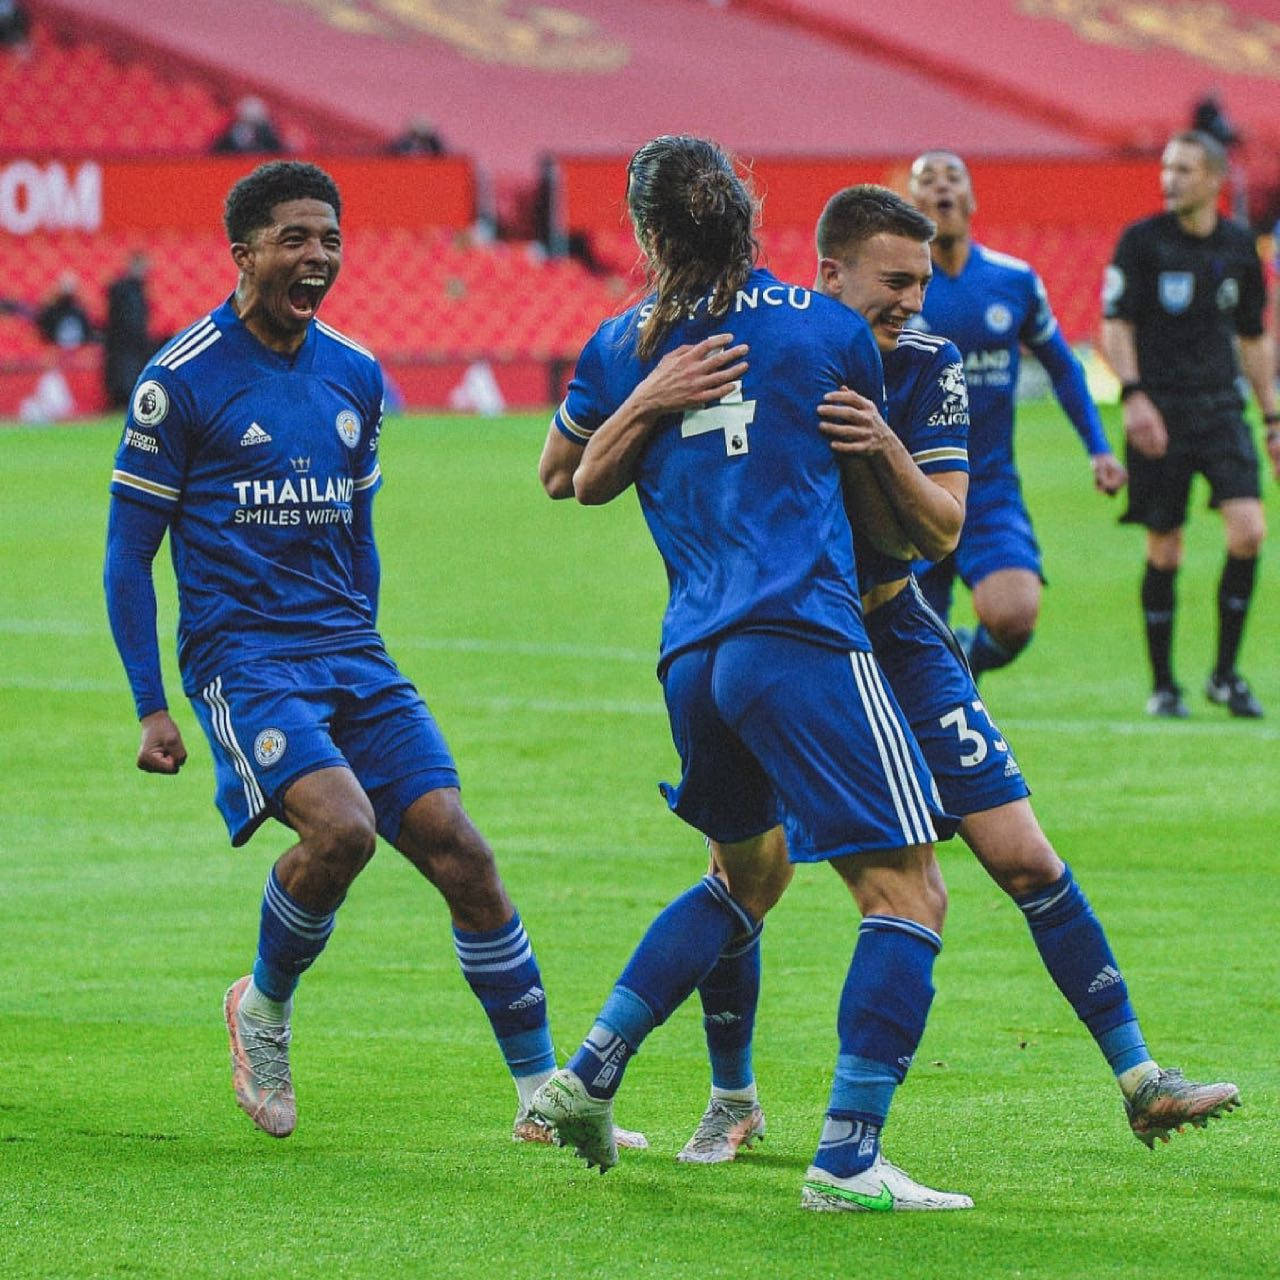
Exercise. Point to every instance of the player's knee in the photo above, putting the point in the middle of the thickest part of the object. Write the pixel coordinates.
(1035, 873)
(908, 885)
(1246, 536)
(342, 845)
(1013, 628)
(934, 898)
(1164, 550)
(440, 840)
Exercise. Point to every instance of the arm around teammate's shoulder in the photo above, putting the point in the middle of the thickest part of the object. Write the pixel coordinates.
(685, 379)
(559, 460)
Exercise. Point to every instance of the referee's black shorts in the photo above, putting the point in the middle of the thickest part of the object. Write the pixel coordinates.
(1208, 434)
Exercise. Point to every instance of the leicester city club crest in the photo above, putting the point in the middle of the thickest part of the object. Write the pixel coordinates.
(348, 425)
(269, 746)
(998, 318)
(1175, 290)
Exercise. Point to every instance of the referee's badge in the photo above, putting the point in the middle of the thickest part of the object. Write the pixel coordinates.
(1175, 290)
(1228, 294)
(348, 425)
(269, 746)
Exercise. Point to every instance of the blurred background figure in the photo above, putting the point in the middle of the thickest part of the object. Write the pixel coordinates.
(127, 335)
(1208, 115)
(250, 132)
(62, 318)
(420, 138)
(15, 26)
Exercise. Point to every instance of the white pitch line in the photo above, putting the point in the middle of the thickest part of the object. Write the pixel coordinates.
(442, 644)
(530, 649)
(1141, 728)
(656, 707)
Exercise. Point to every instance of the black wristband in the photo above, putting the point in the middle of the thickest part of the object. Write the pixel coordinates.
(1271, 419)
(1129, 388)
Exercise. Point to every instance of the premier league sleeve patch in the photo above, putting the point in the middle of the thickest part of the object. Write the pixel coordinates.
(268, 747)
(150, 404)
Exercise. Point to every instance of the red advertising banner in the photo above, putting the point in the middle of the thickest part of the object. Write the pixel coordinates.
(187, 195)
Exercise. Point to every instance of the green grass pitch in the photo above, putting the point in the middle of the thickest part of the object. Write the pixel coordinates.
(531, 628)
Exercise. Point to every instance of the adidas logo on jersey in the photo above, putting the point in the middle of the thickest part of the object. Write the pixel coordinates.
(254, 435)
(1108, 977)
(1011, 768)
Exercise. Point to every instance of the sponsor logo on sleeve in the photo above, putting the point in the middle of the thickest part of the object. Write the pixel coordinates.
(140, 440)
(150, 404)
(954, 411)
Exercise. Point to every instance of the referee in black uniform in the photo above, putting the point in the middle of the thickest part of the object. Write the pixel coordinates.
(1183, 293)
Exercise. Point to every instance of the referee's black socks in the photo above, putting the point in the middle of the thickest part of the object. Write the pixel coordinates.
(1157, 613)
(1235, 589)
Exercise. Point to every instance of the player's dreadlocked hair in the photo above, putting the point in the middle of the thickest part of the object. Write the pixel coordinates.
(250, 201)
(695, 219)
(855, 214)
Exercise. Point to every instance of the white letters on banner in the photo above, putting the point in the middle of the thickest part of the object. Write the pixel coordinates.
(37, 197)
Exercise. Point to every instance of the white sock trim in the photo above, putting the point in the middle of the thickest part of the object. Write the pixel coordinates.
(262, 1008)
(747, 1094)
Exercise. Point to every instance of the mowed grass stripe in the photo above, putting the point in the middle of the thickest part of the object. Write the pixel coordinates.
(531, 628)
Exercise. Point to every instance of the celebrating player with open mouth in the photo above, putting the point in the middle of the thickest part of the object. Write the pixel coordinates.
(252, 440)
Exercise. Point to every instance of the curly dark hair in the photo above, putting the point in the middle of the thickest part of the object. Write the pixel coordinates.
(695, 219)
(250, 201)
(857, 213)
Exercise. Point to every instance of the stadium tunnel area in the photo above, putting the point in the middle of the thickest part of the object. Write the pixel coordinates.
(476, 277)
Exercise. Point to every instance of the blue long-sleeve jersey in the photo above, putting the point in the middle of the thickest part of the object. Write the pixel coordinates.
(990, 310)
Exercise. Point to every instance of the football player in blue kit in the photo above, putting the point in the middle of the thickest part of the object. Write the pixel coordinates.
(874, 257)
(778, 711)
(991, 305)
(252, 439)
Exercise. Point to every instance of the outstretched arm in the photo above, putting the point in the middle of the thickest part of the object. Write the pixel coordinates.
(134, 534)
(1067, 375)
(686, 378)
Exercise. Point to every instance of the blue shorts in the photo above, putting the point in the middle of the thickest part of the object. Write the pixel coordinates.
(969, 757)
(272, 720)
(773, 728)
(997, 534)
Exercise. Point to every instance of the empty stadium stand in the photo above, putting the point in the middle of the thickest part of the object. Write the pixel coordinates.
(128, 87)
(73, 95)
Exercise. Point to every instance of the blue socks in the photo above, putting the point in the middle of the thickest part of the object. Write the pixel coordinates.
(729, 994)
(289, 939)
(986, 653)
(676, 953)
(1074, 949)
(503, 972)
(883, 1009)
